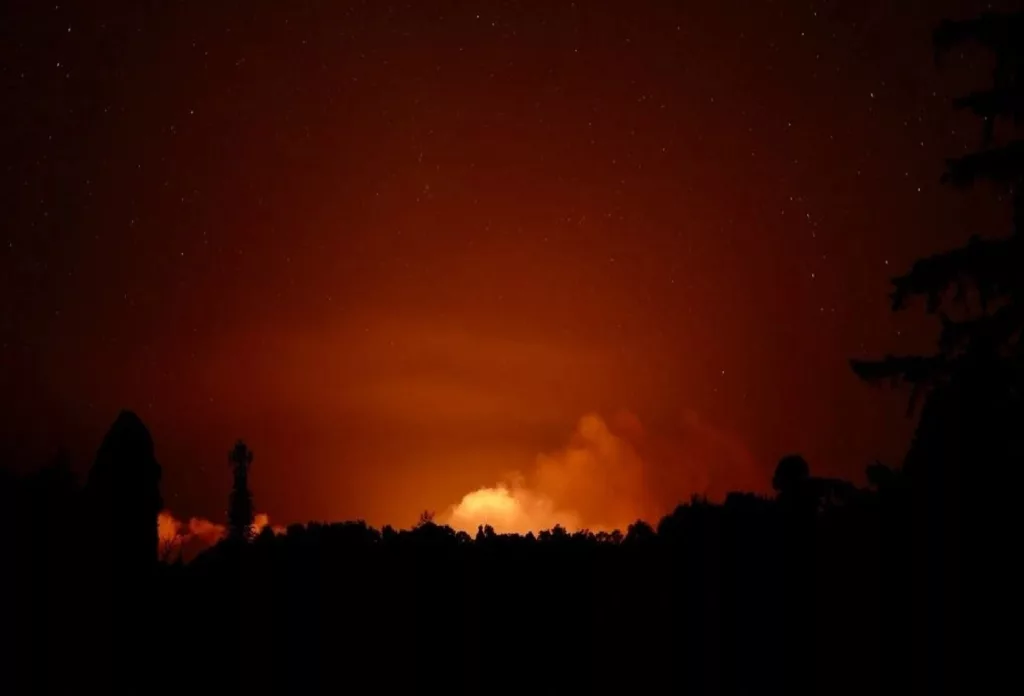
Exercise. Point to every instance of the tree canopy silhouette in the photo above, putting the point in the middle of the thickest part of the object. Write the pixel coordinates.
(984, 275)
(124, 492)
(973, 381)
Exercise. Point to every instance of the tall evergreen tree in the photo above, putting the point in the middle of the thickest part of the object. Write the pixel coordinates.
(124, 495)
(969, 442)
(979, 353)
(240, 510)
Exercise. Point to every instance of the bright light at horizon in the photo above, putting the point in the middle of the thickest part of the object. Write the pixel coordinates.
(509, 510)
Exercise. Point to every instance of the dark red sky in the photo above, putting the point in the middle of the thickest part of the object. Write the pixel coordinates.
(402, 249)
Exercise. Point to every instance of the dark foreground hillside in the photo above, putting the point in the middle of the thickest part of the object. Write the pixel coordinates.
(824, 589)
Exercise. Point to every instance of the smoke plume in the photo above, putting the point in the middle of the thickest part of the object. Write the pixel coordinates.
(610, 474)
(186, 539)
(596, 482)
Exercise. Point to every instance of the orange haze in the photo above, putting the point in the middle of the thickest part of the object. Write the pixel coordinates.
(434, 235)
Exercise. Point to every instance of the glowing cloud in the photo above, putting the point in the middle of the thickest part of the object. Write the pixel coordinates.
(596, 481)
(509, 510)
(610, 474)
(180, 539)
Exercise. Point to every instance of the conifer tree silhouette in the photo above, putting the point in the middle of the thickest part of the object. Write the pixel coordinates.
(975, 377)
(969, 434)
(985, 273)
(240, 511)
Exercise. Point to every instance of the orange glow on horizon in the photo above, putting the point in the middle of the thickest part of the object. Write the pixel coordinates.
(509, 510)
(596, 482)
(609, 474)
(177, 537)
(454, 238)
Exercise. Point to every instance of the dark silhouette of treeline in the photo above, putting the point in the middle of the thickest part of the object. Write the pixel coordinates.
(752, 595)
(907, 585)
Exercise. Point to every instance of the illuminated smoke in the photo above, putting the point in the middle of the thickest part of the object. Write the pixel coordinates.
(509, 510)
(610, 474)
(168, 529)
(261, 520)
(596, 482)
(186, 540)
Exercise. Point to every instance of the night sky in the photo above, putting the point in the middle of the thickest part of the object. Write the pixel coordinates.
(403, 249)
